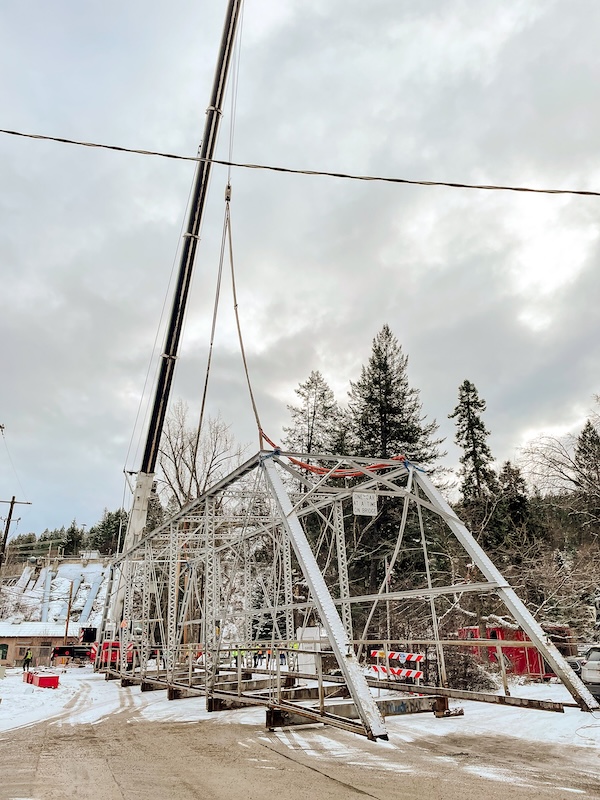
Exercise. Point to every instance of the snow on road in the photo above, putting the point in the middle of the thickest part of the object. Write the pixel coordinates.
(86, 697)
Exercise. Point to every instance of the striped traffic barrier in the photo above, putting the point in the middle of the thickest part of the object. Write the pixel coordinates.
(397, 672)
(397, 656)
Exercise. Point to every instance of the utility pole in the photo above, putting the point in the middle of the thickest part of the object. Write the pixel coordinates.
(68, 613)
(13, 502)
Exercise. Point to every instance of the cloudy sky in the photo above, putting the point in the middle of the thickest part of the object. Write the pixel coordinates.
(499, 288)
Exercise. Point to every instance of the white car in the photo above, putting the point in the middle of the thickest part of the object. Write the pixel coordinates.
(590, 670)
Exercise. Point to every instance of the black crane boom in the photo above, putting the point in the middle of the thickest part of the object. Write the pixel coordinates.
(190, 241)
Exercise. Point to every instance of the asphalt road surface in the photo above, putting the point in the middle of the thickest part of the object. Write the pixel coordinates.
(125, 757)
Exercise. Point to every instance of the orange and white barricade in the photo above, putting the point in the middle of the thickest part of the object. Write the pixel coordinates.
(397, 672)
(397, 656)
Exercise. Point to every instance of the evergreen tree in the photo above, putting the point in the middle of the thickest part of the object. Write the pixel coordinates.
(385, 412)
(73, 541)
(587, 472)
(317, 422)
(156, 512)
(587, 459)
(478, 478)
(512, 525)
(104, 536)
(386, 419)
(513, 493)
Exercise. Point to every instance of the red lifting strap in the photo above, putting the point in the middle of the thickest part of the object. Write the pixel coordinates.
(336, 473)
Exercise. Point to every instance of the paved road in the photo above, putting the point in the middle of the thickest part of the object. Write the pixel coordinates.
(125, 757)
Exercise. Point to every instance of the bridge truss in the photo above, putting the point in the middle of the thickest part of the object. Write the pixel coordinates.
(229, 587)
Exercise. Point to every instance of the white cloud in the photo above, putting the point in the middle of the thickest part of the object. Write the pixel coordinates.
(501, 289)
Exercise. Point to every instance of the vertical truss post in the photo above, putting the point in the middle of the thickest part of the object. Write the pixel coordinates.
(211, 590)
(247, 632)
(172, 592)
(340, 540)
(434, 619)
(340, 643)
(287, 589)
(125, 631)
(147, 584)
(532, 628)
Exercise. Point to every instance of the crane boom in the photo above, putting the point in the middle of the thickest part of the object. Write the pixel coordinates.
(145, 477)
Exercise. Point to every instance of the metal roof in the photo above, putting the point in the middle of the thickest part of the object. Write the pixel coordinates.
(23, 630)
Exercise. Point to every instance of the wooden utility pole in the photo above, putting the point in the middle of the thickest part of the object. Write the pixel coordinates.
(13, 502)
(68, 613)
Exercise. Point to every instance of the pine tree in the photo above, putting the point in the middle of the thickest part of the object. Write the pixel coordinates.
(386, 419)
(104, 536)
(512, 525)
(587, 472)
(73, 539)
(385, 412)
(478, 478)
(587, 459)
(514, 499)
(318, 422)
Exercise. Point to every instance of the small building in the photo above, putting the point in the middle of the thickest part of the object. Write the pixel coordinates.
(519, 660)
(41, 637)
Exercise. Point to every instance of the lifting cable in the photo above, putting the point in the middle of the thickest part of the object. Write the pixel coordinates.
(212, 339)
(227, 237)
(226, 234)
(239, 329)
(335, 473)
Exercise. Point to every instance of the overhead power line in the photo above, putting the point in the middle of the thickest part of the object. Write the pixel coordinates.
(311, 172)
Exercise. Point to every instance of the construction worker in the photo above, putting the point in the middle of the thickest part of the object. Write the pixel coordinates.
(27, 660)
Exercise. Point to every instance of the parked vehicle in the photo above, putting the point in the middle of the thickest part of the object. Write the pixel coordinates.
(575, 663)
(590, 670)
(110, 654)
(75, 651)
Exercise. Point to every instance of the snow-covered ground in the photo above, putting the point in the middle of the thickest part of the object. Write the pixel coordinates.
(85, 697)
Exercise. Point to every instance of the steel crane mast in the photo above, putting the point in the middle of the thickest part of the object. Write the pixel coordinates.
(145, 476)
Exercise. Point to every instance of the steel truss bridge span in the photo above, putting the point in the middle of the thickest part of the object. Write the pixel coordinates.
(279, 572)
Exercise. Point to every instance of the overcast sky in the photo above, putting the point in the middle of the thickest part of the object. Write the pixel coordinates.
(499, 288)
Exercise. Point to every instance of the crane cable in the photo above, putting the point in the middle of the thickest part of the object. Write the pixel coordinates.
(239, 328)
(234, 95)
(227, 238)
(212, 340)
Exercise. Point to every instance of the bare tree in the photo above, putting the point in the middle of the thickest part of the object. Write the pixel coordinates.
(191, 460)
(567, 471)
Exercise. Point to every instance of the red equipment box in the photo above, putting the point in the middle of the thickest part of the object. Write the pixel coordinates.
(27, 677)
(45, 681)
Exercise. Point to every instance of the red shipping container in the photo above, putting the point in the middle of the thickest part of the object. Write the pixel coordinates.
(45, 681)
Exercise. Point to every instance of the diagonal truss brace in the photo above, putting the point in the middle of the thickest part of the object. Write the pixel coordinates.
(517, 608)
(338, 638)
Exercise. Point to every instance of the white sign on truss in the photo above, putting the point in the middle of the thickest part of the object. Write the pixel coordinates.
(364, 504)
